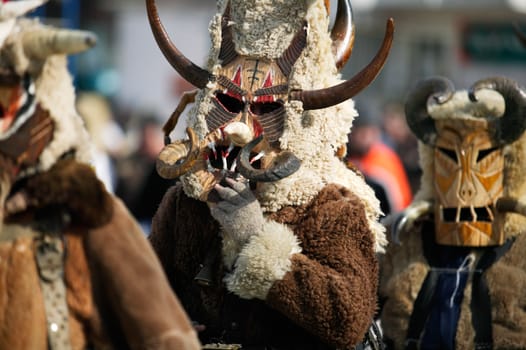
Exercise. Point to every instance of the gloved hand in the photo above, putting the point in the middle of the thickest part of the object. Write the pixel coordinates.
(239, 214)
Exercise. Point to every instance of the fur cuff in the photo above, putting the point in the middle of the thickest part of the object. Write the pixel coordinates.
(264, 260)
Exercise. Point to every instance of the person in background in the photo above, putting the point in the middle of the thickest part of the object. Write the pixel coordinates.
(140, 186)
(378, 162)
(107, 136)
(397, 134)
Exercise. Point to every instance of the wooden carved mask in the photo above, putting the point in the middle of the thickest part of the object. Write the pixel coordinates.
(468, 180)
(467, 138)
(248, 113)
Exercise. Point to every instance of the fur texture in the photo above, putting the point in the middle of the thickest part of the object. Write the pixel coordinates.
(313, 136)
(55, 93)
(404, 267)
(106, 253)
(263, 261)
(491, 103)
(320, 298)
(108, 309)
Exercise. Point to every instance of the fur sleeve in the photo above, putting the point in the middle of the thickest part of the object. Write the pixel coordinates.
(331, 286)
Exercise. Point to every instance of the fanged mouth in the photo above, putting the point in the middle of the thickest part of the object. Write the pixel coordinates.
(468, 214)
(222, 158)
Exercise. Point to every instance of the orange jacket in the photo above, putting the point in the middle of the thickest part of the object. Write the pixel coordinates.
(382, 165)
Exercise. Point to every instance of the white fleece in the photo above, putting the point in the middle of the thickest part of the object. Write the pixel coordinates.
(265, 259)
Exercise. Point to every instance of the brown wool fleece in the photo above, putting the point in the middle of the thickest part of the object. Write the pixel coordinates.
(404, 269)
(117, 294)
(330, 291)
(75, 186)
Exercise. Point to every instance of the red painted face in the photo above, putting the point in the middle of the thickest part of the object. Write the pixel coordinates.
(254, 96)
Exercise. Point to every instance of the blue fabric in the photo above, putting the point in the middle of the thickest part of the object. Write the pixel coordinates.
(441, 325)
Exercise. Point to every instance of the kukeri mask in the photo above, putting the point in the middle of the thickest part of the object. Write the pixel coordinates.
(468, 162)
(248, 115)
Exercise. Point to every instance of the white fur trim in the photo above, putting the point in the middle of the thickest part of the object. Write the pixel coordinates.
(264, 260)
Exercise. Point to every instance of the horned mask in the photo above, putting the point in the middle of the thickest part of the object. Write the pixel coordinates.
(470, 135)
(250, 98)
(38, 122)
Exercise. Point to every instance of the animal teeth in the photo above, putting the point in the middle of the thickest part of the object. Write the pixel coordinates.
(257, 157)
(233, 166)
(225, 165)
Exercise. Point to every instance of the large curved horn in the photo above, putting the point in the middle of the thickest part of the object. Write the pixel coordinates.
(285, 164)
(418, 119)
(513, 122)
(40, 44)
(520, 34)
(192, 73)
(179, 157)
(342, 33)
(323, 98)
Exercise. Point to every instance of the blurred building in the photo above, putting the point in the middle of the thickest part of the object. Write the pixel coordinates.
(464, 40)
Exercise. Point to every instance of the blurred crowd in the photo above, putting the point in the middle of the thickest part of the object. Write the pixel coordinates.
(381, 146)
(126, 145)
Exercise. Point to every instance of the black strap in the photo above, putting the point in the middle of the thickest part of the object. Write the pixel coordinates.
(422, 307)
(480, 297)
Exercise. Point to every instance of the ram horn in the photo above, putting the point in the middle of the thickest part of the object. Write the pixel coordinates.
(418, 118)
(342, 33)
(323, 98)
(284, 165)
(40, 44)
(404, 221)
(511, 205)
(179, 157)
(513, 122)
(192, 73)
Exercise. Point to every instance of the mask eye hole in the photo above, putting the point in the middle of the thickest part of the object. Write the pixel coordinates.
(264, 108)
(484, 153)
(451, 154)
(230, 103)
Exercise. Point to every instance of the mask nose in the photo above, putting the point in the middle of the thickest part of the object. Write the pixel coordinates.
(239, 133)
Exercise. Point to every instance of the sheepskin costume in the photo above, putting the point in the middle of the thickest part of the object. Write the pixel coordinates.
(305, 274)
(265, 28)
(488, 285)
(76, 271)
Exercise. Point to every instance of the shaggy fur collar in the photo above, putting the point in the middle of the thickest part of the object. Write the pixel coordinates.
(72, 186)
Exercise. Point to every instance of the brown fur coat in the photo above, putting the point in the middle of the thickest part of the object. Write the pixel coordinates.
(327, 300)
(117, 294)
(404, 267)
